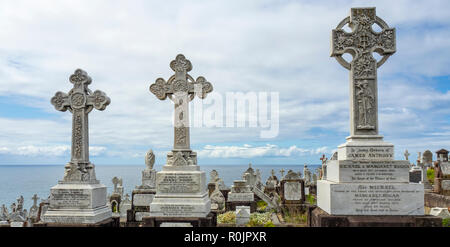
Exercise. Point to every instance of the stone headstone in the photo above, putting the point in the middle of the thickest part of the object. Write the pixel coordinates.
(34, 209)
(125, 205)
(4, 214)
(415, 175)
(240, 192)
(242, 215)
(427, 158)
(79, 198)
(365, 179)
(440, 212)
(217, 200)
(143, 194)
(292, 188)
(181, 186)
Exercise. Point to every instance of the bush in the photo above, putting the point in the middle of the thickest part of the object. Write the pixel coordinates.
(446, 222)
(430, 175)
(311, 199)
(261, 206)
(296, 218)
(227, 218)
(260, 219)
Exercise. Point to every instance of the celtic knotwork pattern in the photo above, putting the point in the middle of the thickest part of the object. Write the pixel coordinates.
(79, 78)
(206, 87)
(60, 101)
(160, 89)
(181, 64)
(99, 100)
(77, 136)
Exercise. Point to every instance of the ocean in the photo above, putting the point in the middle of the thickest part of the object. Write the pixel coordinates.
(27, 180)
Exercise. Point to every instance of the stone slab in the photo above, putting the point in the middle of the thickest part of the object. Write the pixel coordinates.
(366, 150)
(436, 200)
(17, 224)
(175, 224)
(199, 206)
(368, 171)
(77, 196)
(241, 197)
(143, 199)
(370, 199)
(77, 216)
(292, 191)
(140, 215)
(319, 218)
(445, 184)
(180, 182)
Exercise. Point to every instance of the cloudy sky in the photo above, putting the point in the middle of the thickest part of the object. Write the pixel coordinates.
(239, 46)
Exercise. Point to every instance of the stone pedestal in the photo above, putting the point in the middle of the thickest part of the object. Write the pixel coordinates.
(180, 192)
(292, 193)
(320, 218)
(77, 203)
(240, 195)
(366, 180)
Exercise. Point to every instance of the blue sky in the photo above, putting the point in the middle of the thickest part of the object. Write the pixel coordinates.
(245, 46)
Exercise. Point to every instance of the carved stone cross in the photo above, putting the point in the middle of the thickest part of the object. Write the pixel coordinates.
(361, 43)
(406, 154)
(115, 182)
(282, 172)
(323, 159)
(35, 198)
(181, 88)
(80, 101)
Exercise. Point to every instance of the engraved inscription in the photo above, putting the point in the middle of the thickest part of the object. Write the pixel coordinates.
(177, 210)
(179, 183)
(72, 198)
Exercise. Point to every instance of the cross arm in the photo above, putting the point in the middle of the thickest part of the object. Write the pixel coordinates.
(99, 100)
(160, 89)
(60, 101)
(202, 87)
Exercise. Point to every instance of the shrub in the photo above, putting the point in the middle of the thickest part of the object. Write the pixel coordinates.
(260, 219)
(311, 199)
(446, 222)
(261, 206)
(430, 175)
(227, 218)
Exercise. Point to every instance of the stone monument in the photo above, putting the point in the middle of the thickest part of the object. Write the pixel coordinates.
(181, 193)
(365, 180)
(79, 198)
(241, 195)
(143, 195)
(242, 215)
(217, 200)
(292, 192)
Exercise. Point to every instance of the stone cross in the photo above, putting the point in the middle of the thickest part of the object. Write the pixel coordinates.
(406, 154)
(181, 88)
(115, 182)
(35, 198)
(323, 159)
(273, 173)
(282, 172)
(361, 43)
(80, 101)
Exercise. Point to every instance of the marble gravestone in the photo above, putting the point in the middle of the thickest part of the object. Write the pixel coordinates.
(292, 191)
(143, 195)
(242, 215)
(181, 190)
(79, 198)
(365, 179)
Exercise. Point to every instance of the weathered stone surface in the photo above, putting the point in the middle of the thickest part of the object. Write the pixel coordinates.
(179, 182)
(175, 224)
(143, 199)
(292, 191)
(242, 215)
(241, 197)
(368, 171)
(370, 199)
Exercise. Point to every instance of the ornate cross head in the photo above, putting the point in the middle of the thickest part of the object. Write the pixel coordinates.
(181, 82)
(80, 96)
(363, 40)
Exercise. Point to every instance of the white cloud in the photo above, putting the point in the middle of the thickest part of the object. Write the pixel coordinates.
(249, 151)
(48, 151)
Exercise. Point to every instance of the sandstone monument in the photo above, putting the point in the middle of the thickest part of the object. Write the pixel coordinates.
(181, 192)
(79, 198)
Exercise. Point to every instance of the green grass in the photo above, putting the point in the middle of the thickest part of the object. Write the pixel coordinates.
(430, 175)
(446, 222)
(261, 206)
(296, 218)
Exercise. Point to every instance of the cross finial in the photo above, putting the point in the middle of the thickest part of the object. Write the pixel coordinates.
(282, 172)
(323, 159)
(406, 154)
(115, 182)
(181, 88)
(361, 43)
(273, 173)
(35, 198)
(80, 101)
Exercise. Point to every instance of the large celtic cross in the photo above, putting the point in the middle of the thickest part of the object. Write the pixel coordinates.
(361, 43)
(80, 101)
(181, 88)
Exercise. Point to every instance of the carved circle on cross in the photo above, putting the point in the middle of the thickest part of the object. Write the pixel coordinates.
(363, 40)
(78, 100)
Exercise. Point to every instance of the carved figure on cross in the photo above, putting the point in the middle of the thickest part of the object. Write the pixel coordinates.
(80, 101)
(361, 42)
